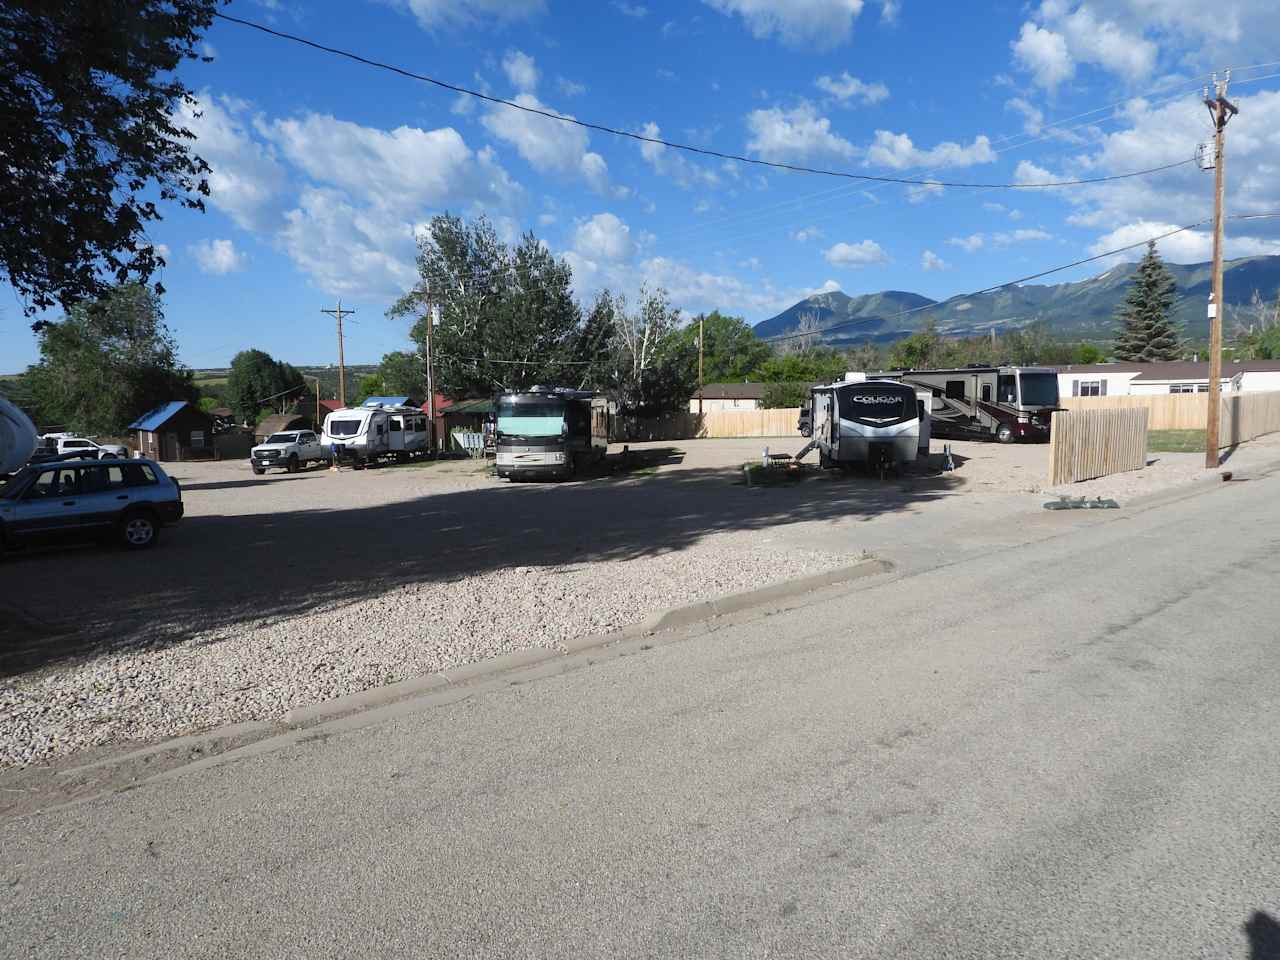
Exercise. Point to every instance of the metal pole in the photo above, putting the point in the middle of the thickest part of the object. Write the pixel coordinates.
(431, 382)
(1222, 111)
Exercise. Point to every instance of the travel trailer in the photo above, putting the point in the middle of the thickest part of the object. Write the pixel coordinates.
(550, 432)
(983, 403)
(878, 423)
(17, 438)
(380, 428)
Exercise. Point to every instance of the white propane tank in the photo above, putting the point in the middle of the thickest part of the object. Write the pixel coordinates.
(17, 437)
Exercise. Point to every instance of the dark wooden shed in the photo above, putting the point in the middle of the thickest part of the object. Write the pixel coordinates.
(174, 431)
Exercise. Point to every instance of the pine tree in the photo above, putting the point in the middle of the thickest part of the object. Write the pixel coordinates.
(1147, 332)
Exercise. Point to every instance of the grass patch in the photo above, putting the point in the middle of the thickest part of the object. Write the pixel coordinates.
(1175, 441)
(776, 476)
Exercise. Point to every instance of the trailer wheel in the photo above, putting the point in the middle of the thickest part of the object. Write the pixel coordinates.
(1004, 433)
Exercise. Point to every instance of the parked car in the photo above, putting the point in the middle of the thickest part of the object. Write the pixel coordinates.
(805, 423)
(123, 500)
(67, 445)
(292, 450)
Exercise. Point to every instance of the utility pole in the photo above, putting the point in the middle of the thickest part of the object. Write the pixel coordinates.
(431, 382)
(1221, 110)
(700, 352)
(339, 313)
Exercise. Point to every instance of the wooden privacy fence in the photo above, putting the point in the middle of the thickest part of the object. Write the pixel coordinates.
(1244, 415)
(1084, 444)
(781, 422)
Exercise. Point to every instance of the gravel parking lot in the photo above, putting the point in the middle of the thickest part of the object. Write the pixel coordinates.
(285, 590)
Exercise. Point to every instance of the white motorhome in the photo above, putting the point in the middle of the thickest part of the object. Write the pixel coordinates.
(984, 403)
(381, 427)
(879, 423)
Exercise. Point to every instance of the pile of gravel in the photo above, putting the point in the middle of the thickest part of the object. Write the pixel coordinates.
(258, 673)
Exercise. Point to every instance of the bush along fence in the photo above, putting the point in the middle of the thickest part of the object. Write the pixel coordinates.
(1084, 444)
(1245, 416)
(780, 422)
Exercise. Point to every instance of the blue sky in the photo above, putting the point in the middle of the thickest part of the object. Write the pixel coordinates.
(324, 169)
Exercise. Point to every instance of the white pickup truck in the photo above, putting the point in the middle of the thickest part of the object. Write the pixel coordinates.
(292, 450)
(69, 445)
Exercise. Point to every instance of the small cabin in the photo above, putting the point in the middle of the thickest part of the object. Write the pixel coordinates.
(173, 431)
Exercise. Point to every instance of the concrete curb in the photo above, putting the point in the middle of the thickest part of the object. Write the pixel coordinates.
(672, 619)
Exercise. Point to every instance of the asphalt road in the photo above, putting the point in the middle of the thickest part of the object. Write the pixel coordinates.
(1064, 748)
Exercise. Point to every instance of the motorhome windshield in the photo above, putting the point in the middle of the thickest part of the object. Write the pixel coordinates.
(1039, 389)
(343, 428)
(535, 417)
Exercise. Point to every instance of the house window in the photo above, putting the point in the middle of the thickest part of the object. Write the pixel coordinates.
(1088, 388)
(1185, 388)
(197, 439)
(1202, 388)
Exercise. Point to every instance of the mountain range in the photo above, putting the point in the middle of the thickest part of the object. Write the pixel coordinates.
(1083, 310)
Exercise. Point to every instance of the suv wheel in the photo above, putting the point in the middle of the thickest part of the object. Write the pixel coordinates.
(139, 529)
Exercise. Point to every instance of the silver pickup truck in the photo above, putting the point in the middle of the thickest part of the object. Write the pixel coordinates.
(291, 450)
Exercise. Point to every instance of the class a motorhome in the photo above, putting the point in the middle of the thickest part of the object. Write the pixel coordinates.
(1005, 403)
(878, 423)
(381, 427)
(550, 431)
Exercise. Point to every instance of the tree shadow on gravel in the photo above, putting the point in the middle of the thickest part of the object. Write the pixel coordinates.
(216, 572)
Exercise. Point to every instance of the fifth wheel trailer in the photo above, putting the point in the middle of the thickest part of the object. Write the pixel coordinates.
(983, 403)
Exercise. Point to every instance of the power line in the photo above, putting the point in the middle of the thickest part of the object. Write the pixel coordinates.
(614, 131)
(544, 361)
(1009, 283)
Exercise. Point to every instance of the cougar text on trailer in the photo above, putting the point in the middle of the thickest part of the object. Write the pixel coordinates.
(872, 422)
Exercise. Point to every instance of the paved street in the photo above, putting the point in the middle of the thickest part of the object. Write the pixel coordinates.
(1063, 747)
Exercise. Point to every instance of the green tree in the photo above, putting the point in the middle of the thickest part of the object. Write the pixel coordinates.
(920, 351)
(370, 385)
(1087, 353)
(731, 350)
(256, 382)
(778, 395)
(1257, 329)
(107, 362)
(650, 367)
(1147, 331)
(816, 364)
(92, 139)
(507, 317)
(403, 375)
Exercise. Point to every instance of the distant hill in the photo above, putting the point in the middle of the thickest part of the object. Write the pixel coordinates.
(1081, 310)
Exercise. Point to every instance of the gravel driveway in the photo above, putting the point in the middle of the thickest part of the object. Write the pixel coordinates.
(285, 590)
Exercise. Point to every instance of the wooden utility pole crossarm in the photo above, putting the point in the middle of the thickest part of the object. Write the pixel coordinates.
(338, 313)
(1221, 110)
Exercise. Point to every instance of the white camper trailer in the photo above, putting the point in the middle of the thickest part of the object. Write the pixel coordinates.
(17, 437)
(872, 422)
(381, 427)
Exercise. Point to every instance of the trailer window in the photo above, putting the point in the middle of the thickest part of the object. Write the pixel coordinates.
(955, 390)
(343, 428)
(396, 425)
(986, 393)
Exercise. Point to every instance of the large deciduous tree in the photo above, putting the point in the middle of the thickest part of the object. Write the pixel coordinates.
(257, 382)
(107, 362)
(507, 317)
(731, 351)
(1147, 330)
(89, 141)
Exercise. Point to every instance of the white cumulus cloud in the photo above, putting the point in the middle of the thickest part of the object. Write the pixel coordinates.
(604, 237)
(549, 146)
(217, 256)
(861, 254)
(930, 261)
(845, 88)
(795, 134)
(810, 24)
(454, 14)
(896, 151)
(521, 70)
(1044, 55)
(968, 244)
